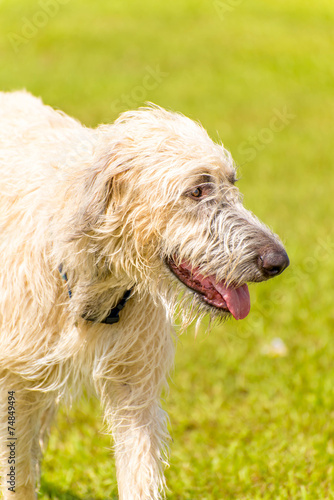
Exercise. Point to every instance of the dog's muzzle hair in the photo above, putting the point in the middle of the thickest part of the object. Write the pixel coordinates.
(104, 235)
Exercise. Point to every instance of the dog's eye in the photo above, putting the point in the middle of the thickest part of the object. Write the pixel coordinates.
(199, 192)
(196, 192)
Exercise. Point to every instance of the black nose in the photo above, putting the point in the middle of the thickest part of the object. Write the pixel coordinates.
(272, 262)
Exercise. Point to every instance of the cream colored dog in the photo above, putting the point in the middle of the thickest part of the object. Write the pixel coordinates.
(100, 231)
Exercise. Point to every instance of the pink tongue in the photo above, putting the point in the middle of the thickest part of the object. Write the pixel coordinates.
(237, 299)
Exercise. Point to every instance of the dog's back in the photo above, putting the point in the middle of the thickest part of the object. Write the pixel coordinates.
(36, 147)
(33, 138)
(20, 112)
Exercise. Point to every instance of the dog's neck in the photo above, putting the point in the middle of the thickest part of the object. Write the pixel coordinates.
(113, 315)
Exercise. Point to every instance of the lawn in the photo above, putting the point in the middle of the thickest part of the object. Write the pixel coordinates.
(246, 423)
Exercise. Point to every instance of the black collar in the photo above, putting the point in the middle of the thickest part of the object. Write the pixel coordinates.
(113, 315)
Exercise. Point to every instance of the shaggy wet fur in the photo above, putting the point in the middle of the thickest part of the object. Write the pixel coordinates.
(116, 208)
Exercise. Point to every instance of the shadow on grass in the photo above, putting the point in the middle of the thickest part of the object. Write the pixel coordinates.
(54, 492)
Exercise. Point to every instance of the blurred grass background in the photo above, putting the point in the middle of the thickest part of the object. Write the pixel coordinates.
(245, 424)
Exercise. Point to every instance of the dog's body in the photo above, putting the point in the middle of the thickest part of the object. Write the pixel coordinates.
(147, 204)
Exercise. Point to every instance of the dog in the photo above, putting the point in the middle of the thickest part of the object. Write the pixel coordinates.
(104, 234)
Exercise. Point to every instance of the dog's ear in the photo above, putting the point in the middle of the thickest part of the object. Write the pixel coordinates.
(97, 188)
(92, 191)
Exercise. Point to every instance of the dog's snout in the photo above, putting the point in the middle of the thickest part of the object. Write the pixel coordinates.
(272, 262)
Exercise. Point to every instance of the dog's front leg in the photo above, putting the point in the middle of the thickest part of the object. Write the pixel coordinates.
(140, 437)
(139, 429)
(130, 385)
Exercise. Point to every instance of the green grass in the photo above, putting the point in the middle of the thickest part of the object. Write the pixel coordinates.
(244, 425)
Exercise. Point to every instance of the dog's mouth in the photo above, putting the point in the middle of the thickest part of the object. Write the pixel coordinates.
(232, 300)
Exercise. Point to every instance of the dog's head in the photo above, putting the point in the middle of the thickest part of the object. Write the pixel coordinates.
(162, 197)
